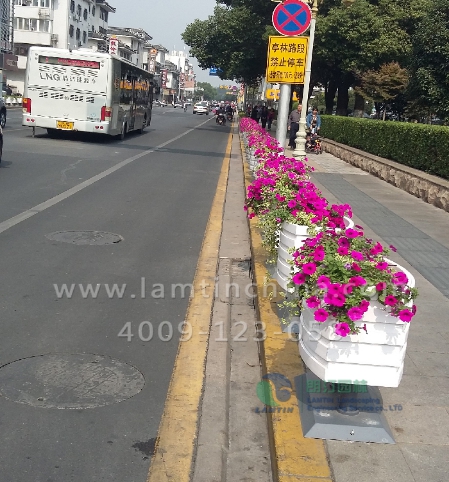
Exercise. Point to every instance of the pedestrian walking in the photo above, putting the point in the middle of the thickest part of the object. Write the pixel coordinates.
(293, 127)
(270, 118)
(264, 116)
(255, 114)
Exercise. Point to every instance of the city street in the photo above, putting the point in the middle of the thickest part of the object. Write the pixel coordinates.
(84, 387)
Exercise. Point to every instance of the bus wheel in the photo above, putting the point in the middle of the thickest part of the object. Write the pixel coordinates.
(144, 124)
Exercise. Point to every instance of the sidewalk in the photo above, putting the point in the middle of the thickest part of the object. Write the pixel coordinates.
(237, 440)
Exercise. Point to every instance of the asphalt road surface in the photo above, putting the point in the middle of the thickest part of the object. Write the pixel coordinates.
(79, 402)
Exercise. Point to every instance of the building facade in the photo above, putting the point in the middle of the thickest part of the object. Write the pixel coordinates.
(7, 60)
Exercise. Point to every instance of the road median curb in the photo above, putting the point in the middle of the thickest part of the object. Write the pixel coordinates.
(294, 457)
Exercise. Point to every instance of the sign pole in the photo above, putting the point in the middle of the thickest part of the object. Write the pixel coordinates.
(300, 151)
(283, 113)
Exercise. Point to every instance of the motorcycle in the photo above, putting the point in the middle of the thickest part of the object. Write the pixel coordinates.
(229, 116)
(221, 119)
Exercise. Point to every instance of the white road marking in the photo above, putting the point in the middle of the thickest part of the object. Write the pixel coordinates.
(9, 223)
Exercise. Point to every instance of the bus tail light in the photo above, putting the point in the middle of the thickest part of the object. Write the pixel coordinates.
(26, 105)
(106, 113)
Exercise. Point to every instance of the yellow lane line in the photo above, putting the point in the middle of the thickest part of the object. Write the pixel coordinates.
(173, 457)
(295, 457)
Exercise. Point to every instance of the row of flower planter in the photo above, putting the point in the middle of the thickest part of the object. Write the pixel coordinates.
(292, 237)
(355, 303)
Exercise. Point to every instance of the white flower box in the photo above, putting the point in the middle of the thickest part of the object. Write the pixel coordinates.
(375, 357)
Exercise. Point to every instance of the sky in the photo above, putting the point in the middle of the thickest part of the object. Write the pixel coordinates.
(165, 21)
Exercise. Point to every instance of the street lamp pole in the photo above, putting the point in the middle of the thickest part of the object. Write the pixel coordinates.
(300, 140)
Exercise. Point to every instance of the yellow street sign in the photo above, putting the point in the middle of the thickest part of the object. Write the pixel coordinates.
(286, 60)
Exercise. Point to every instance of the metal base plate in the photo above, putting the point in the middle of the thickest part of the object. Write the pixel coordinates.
(320, 416)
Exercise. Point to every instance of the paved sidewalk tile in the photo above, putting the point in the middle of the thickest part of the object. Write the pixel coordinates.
(421, 427)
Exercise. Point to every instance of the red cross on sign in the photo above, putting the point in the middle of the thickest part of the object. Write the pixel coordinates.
(292, 17)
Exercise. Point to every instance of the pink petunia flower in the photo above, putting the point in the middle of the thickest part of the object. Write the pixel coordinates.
(414, 309)
(299, 278)
(381, 286)
(344, 242)
(400, 278)
(376, 249)
(390, 300)
(335, 300)
(348, 289)
(309, 268)
(291, 203)
(364, 305)
(405, 315)
(323, 282)
(321, 315)
(334, 289)
(351, 233)
(342, 329)
(355, 313)
(357, 255)
(357, 280)
(343, 251)
(356, 267)
(319, 254)
(382, 265)
(393, 248)
(313, 302)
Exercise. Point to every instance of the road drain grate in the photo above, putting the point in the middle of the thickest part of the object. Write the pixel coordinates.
(69, 381)
(85, 238)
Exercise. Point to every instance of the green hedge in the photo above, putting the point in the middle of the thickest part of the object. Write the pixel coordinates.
(421, 146)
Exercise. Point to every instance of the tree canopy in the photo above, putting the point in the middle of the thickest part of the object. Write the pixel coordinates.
(233, 39)
(429, 67)
(348, 43)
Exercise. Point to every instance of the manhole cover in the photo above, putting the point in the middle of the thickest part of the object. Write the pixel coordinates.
(98, 238)
(69, 381)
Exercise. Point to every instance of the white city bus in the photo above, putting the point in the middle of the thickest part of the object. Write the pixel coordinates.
(83, 90)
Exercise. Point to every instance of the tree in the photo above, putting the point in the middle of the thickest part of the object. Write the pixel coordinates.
(233, 39)
(383, 85)
(351, 40)
(429, 87)
(205, 90)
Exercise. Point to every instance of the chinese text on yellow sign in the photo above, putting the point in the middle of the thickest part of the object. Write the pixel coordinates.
(286, 60)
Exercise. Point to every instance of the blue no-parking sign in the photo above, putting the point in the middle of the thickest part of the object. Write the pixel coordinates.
(292, 17)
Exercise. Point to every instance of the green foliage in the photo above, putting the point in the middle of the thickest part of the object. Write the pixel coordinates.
(383, 84)
(206, 90)
(232, 40)
(430, 61)
(358, 38)
(420, 146)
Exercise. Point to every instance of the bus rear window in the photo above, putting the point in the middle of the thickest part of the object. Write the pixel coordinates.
(88, 64)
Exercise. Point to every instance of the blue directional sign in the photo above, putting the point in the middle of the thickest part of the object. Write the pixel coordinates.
(292, 17)
(214, 71)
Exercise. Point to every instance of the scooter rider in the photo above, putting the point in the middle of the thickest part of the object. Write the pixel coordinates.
(229, 112)
(221, 113)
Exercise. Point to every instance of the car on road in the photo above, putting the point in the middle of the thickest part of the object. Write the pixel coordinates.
(201, 108)
(2, 112)
(1, 143)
